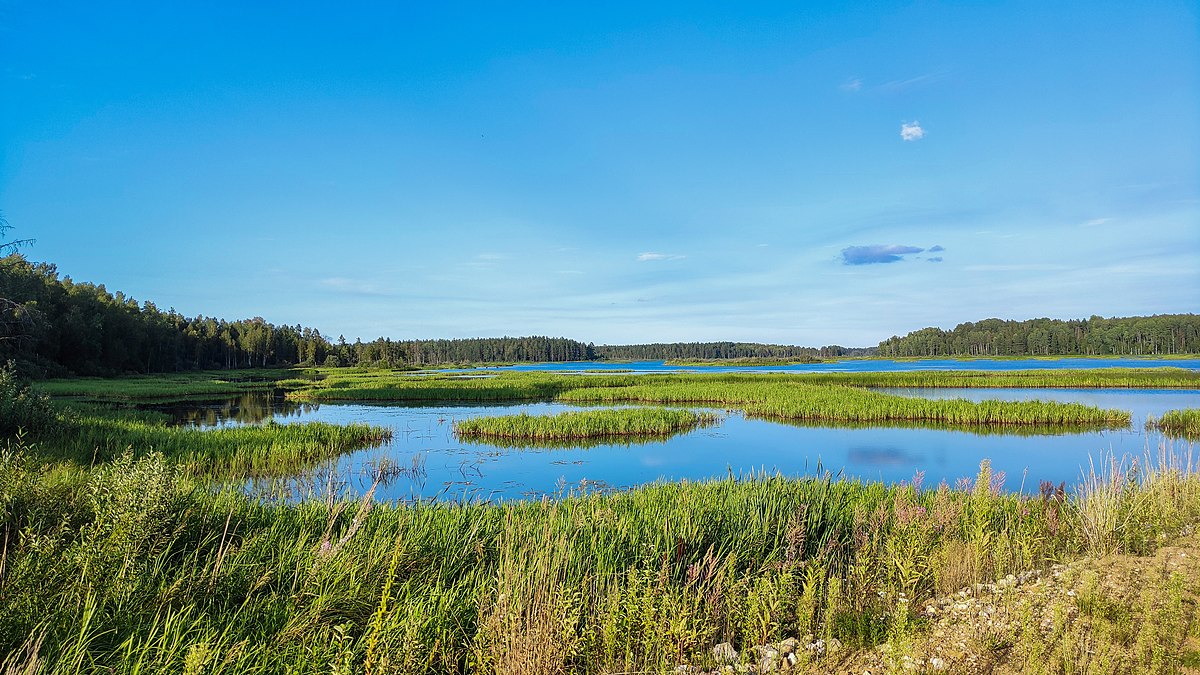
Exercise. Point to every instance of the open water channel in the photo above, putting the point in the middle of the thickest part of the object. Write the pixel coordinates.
(437, 465)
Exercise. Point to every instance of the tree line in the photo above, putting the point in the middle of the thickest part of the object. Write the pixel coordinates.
(722, 350)
(52, 325)
(1161, 334)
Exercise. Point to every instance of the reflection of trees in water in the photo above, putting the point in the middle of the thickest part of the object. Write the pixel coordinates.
(248, 408)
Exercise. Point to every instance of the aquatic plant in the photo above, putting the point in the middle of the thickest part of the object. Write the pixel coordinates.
(584, 424)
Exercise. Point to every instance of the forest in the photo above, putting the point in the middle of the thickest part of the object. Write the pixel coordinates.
(1163, 334)
(721, 350)
(51, 325)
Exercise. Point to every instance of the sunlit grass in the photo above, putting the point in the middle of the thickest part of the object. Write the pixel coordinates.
(622, 422)
(1182, 423)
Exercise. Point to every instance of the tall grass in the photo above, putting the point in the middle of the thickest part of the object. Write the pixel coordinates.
(89, 437)
(1181, 423)
(785, 400)
(172, 385)
(1091, 378)
(584, 424)
(135, 567)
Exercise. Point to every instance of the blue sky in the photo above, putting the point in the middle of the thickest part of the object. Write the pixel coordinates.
(786, 172)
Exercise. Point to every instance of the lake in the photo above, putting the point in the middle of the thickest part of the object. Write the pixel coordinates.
(437, 465)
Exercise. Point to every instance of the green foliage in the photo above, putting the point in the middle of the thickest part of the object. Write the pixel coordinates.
(1135, 335)
(160, 574)
(1181, 423)
(585, 424)
(20, 407)
(783, 399)
(229, 452)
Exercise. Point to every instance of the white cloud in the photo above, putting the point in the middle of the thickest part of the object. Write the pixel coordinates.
(851, 85)
(1097, 221)
(649, 257)
(911, 131)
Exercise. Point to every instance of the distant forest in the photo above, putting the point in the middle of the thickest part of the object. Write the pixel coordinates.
(1134, 336)
(51, 325)
(721, 350)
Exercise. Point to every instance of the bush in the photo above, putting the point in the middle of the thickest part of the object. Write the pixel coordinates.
(20, 406)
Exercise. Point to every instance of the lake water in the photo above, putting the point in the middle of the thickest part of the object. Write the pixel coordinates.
(439, 466)
(869, 365)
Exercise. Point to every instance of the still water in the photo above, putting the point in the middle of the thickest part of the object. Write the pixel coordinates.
(437, 465)
(869, 365)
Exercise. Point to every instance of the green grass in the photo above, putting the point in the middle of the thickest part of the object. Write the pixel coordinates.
(135, 567)
(780, 399)
(89, 436)
(1182, 423)
(623, 422)
(1092, 378)
(171, 386)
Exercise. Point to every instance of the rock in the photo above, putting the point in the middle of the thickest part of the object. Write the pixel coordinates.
(788, 646)
(769, 659)
(725, 653)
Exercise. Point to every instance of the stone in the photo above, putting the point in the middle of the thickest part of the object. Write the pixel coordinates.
(725, 653)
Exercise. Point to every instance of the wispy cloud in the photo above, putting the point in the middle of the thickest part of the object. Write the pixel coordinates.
(1094, 222)
(911, 131)
(936, 248)
(852, 85)
(935, 259)
(876, 253)
(651, 257)
(898, 86)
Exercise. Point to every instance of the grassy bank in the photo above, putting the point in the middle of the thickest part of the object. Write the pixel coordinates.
(623, 422)
(134, 567)
(171, 386)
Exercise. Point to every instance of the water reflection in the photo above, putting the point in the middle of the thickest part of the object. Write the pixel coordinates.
(451, 469)
(249, 408)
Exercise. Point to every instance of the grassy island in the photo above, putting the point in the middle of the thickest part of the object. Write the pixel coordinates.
(622, 422)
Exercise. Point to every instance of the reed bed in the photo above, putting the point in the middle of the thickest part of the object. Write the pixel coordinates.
(1181, 423)
(134, 567)
(622, 422)
(170, 386)
(1091, 378)
(87, 437)
(781, 399)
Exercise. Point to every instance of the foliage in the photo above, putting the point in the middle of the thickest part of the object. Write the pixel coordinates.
(90, 436)
(584, 424)
(21, 407)
(156, 573)
(1183, 423)
(693, 352)
(1136, 335)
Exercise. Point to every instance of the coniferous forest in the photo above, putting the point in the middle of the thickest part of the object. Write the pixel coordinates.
(50, 325)
(1132, 336)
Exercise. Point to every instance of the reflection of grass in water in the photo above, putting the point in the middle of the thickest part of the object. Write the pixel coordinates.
(568, 427)
(977, 429)
(568, 444)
